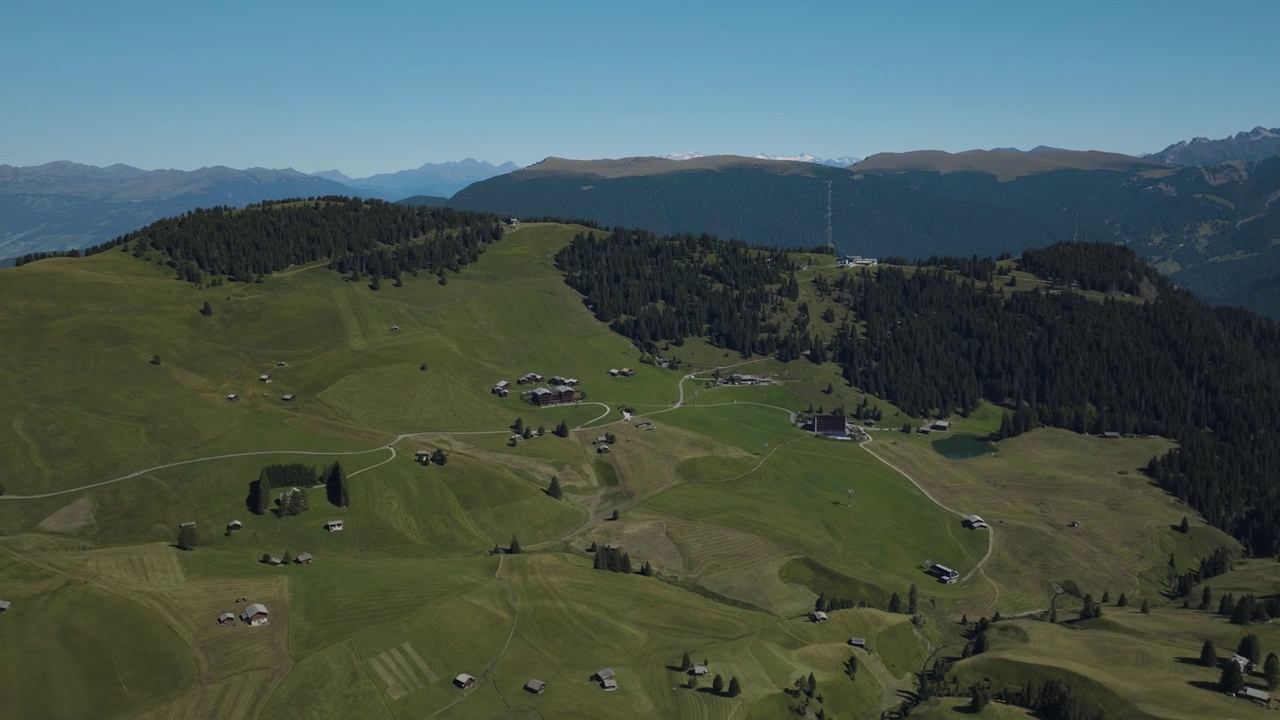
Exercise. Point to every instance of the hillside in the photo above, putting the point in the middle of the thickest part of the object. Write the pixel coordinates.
(118, 385)
(65, 205)
(438, 179)
(1252, 146)
(1005, 164)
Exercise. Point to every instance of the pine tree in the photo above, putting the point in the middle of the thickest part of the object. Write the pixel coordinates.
(717, 685)
(514, 548)
(518, 425)
(895, 603)
(1208, 654)
(978, 698)
(562, 430)
(734, 688)
(625, 565)
(1086, 612)
(554, 488)
(259, 497)
(1232, 679)
(1185, 526)
(685, 662)
(439, 457)
(1106, 596)
(1122, 601)
(286, 558)
(187, 539)
(646, 569)
(335, 481)
(1146, 607)
(1053, 615)
(614, 516)
(1271, 671)
(207, 309)
(1206, 598)
(155, 359)
(1250, 648)
(912, 600)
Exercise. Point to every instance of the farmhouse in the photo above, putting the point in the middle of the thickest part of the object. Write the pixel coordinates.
(700, 670)
(942, 425)
(1246, 665)
(561, 380)
(226, 619)
(287, 398)
(601, 440)
(4, 606)
(1255, 694)
(818, 616)
(464, 681)
(502, 388)
(535, 686)
(256, 614)
(303, 559)
(974, 522)
(528, 378)
(604, 674)
(828, 425)
(234, 525)
(333, 526)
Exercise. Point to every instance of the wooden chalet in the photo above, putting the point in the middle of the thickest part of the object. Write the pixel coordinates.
(974, 522)
(333, 526)
(941, 425)
(303, 559)
(858, 642)
(829, 425)
(234, 525)
(562, 380)
(288, 398)
(602, 449)
(256, 614)
(528, 379)
(264, 378)
(422, 456)
(537, 687)
(226, 619)
(464, 681)
(558, 395)
(700, 670)
(4, 606)
(233, 397)
(818, 616)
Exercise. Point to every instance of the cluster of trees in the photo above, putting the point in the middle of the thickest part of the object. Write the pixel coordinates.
(32, 257)
(335, 484)
(359, 237)
(1054, 699)
(1105, 268)
(1248, 609)
(652, 288)
(805, 692)
(1217, 563)
(826, 604)
(613, 559)
(562, 429)
(187, 538)
(295, 476)
(718, 687)
(1232, 678)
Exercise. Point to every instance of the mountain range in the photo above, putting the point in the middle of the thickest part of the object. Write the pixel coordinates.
(1256, 144)
(1215, 230)
(436, 179)
(842, 161)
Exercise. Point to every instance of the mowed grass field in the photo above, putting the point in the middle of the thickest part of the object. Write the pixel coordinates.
(744, 518)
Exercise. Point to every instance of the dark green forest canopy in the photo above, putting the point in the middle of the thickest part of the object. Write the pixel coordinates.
(359, 237)
(652, 288)
(931, 340)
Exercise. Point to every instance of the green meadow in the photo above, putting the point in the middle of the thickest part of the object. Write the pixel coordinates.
(744, 518)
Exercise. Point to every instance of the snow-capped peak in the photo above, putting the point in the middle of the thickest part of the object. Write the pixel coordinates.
(689, 155)
(842, 161)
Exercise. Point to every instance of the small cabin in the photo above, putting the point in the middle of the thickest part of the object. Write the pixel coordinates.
(4, 606)
(226, 619)
(395, 328)
(627, 372)
(1111, 434)
(287, 398)
(303, 559)
(700, 670)
(234, 525)
(942, 425)
(537, 687)
(281, 363)
(602, 449)
(256, 614)
(422, 456)
(818, 616)
(264, 378)
(333, 526)
(1255, 695)
(609, 685)
(944, 574)
(974, 522)
(858, 642)
(233, 397)
(464, 681)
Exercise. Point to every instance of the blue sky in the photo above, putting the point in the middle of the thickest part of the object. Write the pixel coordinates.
(373, 87)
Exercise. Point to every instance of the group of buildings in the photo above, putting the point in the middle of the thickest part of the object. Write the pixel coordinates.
(563, 390)
(856, 261)
(605, 676)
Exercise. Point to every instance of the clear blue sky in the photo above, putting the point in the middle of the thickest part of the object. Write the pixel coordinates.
(373, 87)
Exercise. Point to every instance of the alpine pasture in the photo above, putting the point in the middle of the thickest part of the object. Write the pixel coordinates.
(120, 428)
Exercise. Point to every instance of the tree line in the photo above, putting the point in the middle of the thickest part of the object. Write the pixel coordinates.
(358, 237)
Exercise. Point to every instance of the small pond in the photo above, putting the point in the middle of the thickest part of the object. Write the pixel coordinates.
(962, 447)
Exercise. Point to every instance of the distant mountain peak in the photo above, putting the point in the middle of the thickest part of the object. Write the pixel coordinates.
(433, 179)
(842, 161)
(1259, 143)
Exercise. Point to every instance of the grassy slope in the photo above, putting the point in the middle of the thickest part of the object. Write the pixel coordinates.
(754, 538)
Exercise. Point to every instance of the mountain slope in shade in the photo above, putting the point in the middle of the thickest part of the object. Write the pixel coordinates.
(1005, 163)
(1257, 144)
(66, 205)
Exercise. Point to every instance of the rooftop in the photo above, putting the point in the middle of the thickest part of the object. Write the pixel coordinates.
(255, 609)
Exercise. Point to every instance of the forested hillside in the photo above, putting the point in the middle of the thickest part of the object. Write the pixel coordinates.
(933, 341)
(1214, 230)
(359, 237)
